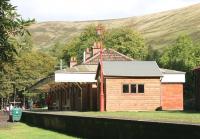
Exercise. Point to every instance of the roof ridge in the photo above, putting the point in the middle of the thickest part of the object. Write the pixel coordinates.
(109, 49)
(121, 54)
(163, 70)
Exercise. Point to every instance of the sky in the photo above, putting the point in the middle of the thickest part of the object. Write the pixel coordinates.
(82, 10)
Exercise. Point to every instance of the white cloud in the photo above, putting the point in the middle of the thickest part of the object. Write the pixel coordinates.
(45, 10)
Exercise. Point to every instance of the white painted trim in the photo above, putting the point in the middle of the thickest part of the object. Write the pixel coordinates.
(173, 78)
(76, 77)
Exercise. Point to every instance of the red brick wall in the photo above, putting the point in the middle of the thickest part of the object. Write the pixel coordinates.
(118, 101)
(172, 96)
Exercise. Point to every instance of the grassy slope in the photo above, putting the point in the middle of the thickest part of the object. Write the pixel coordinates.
(23, 131)
(159, 29)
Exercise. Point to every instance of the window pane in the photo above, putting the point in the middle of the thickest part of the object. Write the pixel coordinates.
(125, 88)
(140, 88)
(133, 88)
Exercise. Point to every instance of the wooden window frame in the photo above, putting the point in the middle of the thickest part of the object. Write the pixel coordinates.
(138, 88)
(123, 88)
(129, 87)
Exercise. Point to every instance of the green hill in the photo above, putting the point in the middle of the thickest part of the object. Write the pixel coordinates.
(159, 29)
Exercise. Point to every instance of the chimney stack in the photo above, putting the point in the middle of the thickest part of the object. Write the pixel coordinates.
(96, 48)
(73, 62)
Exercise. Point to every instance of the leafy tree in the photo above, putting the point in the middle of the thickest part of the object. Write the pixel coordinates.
(71, 49)
(56, 50)
(77, 45)
(14, 39)
(123, 40)
(11, 25)
(153, 54)
(126, 41)
(25, 71)
(183, 55)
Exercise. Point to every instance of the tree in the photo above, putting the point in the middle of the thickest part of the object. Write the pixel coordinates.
(153, 54)
(78, 44)
(11, 25)
(126, 41)
(25, 71)
(56, 50)
(122, 39)
(182, 55)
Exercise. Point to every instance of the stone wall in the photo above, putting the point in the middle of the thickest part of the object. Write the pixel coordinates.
(96, 127)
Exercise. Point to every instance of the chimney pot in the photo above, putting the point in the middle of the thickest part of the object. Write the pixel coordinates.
(87, 50)
(96, 47)
(73, 61)
(87, 54)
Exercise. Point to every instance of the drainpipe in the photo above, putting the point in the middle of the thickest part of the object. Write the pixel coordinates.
(101, 78)
(161, 92)
(100, 30)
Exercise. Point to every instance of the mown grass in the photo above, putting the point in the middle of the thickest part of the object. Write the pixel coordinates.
(163, 116)
(23, 131)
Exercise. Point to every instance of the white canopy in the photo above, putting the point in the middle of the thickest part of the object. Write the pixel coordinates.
(75, 77)
(172, 76)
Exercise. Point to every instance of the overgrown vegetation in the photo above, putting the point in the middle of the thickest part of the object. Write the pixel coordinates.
(11, 27)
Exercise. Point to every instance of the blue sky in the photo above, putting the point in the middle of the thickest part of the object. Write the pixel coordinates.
(80, 10)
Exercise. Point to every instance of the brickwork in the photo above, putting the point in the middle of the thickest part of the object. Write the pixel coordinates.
(116, 100)
(172, 96)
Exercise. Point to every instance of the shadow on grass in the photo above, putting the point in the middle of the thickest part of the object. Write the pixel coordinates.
(184, 112)
(54, 130)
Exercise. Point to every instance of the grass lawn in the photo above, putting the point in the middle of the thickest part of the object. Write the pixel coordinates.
(23, 131)
(165, 116)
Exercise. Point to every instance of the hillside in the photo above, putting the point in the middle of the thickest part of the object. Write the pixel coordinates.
(159, 29)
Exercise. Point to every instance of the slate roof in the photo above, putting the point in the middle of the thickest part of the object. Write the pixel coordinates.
(131, 68)
(108, 55)
(79, 68)
(168, 71)
(90, 65)
(43, 84)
